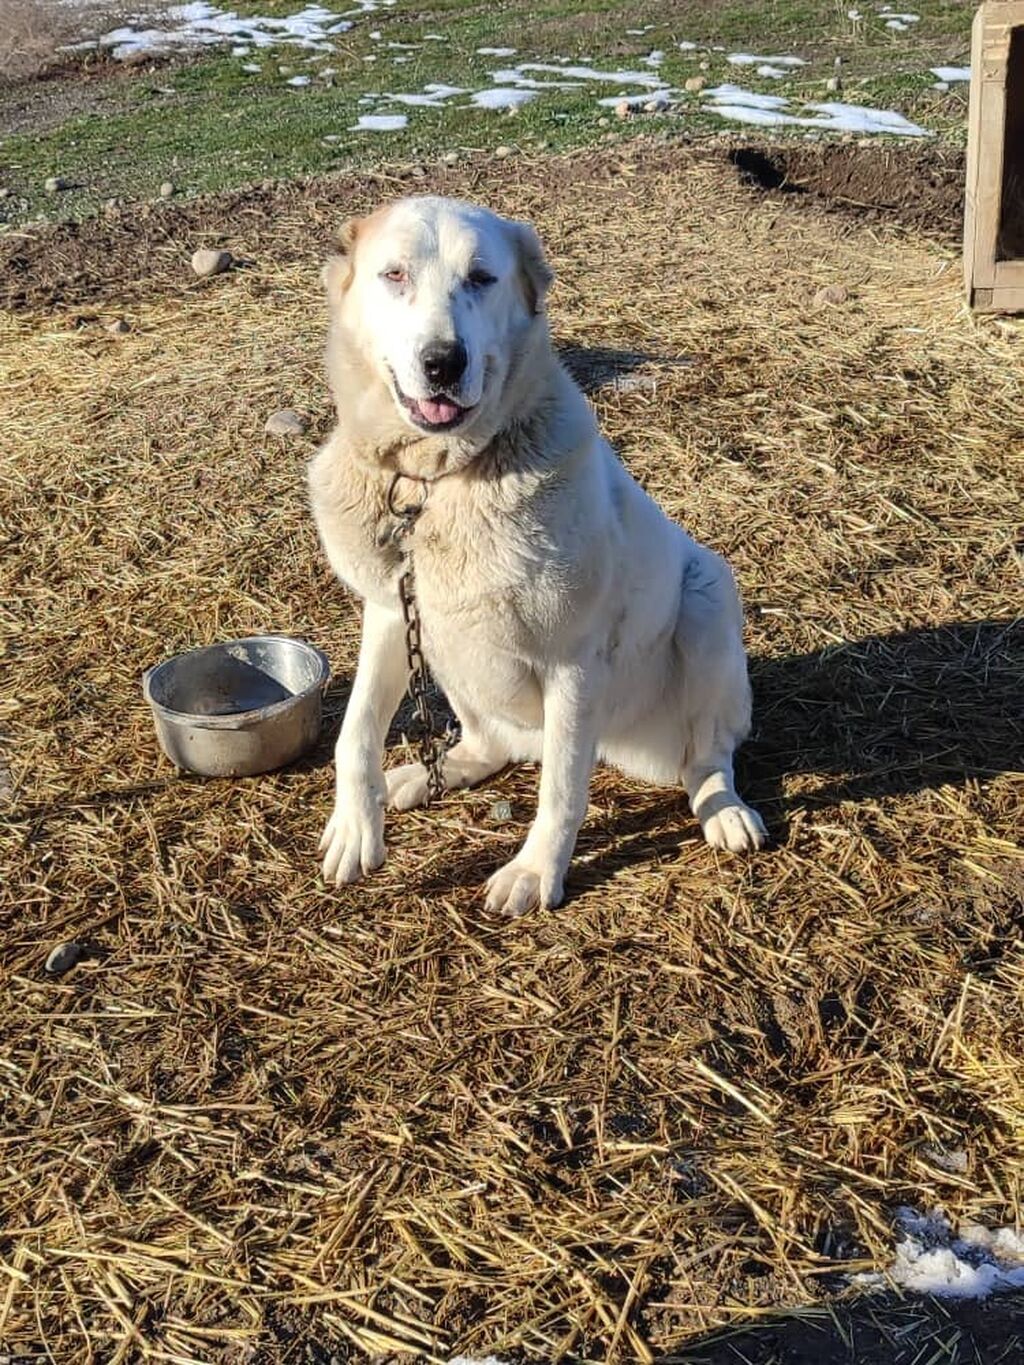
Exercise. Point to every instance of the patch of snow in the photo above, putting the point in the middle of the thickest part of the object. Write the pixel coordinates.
(588, 73)
(298, 81)
(746, 106)
(513, 77)
(496, 51)
(949, 74)
(502, 97)
(200, 24)
(746, 113)
(929, 1260)
(653, 59)
(897, 25)
(633, 101)
(252, 68)
(746, 59)
(687, 47)
(772, 73)
(378, 123)
(433, 97)
(748, 99)
(888, 13)
(856, 118)
(434, 38)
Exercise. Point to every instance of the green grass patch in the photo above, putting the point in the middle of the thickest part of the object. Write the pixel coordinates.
(208, 125)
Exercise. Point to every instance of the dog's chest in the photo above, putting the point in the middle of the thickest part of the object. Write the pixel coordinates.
(482, 584)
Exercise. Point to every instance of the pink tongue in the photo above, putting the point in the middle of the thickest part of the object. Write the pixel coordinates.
(437, 411)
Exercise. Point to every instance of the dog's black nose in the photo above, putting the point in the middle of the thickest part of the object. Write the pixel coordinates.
(444, 363)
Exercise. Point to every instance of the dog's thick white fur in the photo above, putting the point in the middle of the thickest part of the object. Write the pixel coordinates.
(565, 616)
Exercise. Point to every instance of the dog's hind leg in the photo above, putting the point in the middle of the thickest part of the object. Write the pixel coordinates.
(716, 705)
(475, 758)
(727, 821)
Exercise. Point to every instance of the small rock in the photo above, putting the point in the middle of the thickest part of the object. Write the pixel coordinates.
(834, 85)
(111, 206)
(604, 122)
(622, 109)
(831, 294)
(501, 812)
(54, 184)
(502, 152)
(656, 106)
(166, 190)
(704, 66)
(418, 172)
(544, 145)
(118, 328)
(694, 84)
(635, 383)
(450, 158)
(207, 261)
(286, 422)
(4, 192)
(946, 1158)
(63, 958)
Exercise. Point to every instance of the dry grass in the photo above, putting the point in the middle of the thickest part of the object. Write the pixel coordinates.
(261, 1120)
(31, 31)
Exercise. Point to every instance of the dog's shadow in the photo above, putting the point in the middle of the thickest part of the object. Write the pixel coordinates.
(600, 369)
(885, 716)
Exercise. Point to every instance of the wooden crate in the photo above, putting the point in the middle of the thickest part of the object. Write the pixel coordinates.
(994, 208)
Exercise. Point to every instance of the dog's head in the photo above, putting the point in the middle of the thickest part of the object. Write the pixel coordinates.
(439, 298)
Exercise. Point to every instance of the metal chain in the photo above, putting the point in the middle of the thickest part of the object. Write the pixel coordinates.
(425, 733)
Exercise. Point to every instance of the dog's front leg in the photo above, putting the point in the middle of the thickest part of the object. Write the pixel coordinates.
(353, 841)
(535, 875)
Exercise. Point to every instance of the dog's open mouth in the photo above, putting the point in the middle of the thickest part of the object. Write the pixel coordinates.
(439, 413)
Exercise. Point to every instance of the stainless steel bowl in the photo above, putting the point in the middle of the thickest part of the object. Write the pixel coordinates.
(238, 708)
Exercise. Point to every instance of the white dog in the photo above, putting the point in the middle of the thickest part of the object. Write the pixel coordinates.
(566, 618)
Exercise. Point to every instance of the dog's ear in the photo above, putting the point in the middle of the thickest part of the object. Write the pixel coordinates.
(534, 270)
(339, 268)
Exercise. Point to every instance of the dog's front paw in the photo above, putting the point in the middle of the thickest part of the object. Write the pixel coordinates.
(735, 827)
(352, 843)
(520, 886)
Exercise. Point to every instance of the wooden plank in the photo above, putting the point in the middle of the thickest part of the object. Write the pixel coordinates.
(989, 282)
(988, 194)
(999, 301)
(973, 134)
(1009, 275)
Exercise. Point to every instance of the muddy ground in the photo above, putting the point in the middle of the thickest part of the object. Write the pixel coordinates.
(145, 249)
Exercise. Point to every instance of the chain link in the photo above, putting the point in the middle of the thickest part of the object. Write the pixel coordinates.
(431, 742)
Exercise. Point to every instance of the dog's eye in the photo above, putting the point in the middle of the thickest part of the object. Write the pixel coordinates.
(480, 279)
(396, 275)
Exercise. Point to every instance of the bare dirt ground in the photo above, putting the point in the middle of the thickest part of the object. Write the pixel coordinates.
(145, 248)
(260, 1121)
